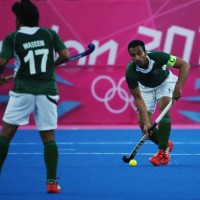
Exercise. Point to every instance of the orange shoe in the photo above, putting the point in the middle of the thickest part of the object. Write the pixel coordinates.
(162, 157)
(157, 158)
(166, 157)
(53, 187)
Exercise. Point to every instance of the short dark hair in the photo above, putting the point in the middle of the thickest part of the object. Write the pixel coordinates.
(26, 12)
(135, 43)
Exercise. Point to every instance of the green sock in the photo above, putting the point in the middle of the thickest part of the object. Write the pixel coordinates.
(164, 132)
(4, 146)
(51, 159)
(154, 136)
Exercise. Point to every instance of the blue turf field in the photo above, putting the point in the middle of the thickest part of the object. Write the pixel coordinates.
(91, 168)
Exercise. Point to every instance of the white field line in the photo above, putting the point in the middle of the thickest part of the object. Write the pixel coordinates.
(102, 153)
(101, 143)
(62, 150)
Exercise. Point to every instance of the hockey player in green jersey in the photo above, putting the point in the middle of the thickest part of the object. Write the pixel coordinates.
(151, 83)
(35, 89)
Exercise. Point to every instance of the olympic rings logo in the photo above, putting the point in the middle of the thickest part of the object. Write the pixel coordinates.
(111, 93)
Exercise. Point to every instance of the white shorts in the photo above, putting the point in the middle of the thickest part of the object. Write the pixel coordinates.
(43, 107)
(152, 95)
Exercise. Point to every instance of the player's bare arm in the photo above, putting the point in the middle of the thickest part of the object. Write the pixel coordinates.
(63, 56)
(2, 80)
(182, 77)
(3, 63)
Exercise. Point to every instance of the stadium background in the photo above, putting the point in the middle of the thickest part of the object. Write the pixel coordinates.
(93, 90)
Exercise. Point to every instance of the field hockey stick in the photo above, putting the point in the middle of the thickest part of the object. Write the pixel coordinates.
(90, 49)
(145, 137)
(8, 78)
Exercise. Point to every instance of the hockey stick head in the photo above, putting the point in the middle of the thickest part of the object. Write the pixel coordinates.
(91, 47)
(127, 159)
(135, 150)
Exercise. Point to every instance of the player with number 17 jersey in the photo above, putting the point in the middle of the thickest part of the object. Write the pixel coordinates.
(33, 51)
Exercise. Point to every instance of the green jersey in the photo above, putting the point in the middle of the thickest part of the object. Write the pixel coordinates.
(33, 50)
(154, 75)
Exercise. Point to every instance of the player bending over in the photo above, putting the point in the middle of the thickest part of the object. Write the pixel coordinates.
(151, 83)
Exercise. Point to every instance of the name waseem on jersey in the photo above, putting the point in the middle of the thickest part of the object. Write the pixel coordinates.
(33, 44)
